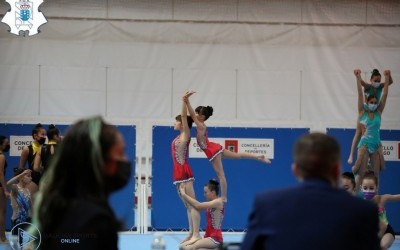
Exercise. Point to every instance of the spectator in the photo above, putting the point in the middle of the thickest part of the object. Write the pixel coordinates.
(315, 214)
(348, 182)
(73, 196)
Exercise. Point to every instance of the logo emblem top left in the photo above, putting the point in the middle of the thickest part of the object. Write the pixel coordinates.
(24, 15)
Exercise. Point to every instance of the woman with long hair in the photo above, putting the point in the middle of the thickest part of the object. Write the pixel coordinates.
(73, 196)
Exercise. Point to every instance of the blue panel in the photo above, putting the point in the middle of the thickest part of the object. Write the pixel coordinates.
(245, 177)
(389, 178)
(121, 201)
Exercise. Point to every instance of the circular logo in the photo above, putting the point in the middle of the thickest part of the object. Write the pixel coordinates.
(25, 236)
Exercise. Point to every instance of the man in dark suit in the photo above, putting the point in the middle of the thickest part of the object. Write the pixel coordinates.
(316, 214)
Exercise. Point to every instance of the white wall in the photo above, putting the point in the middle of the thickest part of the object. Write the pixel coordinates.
(258, 63)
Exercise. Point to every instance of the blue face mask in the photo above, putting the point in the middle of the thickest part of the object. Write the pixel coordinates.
(376, 84)
(369, 195)
(372, 106)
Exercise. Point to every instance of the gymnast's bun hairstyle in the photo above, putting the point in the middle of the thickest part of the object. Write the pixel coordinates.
(213, 185)
(375, 72)
(36, 129)
(370, 175)
(206, 111)
(52, 131)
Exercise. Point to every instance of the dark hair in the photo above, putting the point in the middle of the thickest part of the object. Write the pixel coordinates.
(370, 175)
(349, 176)
(76, 172)
(36, 129)
(316, 154)
(206, 111)
(2, 139)
(371, 97)
(375, 72)
(18, 171)
(189, 120)
(213, 185)
(52, 131)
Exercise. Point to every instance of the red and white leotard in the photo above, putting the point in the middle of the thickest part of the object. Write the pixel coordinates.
(211, 149)
(182, 171)
(214, 223)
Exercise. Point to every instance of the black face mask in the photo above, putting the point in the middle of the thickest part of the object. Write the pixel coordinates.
(120, 178)
(42, 140)
(7, 148)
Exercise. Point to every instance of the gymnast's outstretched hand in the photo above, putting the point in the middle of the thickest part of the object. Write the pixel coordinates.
(187, 95)
(357, 72)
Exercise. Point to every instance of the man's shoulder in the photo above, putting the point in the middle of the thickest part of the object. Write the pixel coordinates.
(309, 194)
(278, 193)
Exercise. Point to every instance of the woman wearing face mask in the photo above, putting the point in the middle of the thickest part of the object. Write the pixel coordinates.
(28, 154)
(4, 147)
(369, 122)
(73, 196)
(45, 155)
(374, 88)
(369, 188)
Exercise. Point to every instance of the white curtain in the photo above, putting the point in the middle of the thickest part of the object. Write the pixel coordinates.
(237, 56)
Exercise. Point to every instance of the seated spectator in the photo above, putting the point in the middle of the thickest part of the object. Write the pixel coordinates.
(316, 214)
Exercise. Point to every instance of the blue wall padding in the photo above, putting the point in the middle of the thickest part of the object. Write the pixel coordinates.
(245, 177)
(389, 178)
(121, 201)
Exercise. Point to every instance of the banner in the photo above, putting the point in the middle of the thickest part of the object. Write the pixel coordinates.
(391, 150)
(263, 146)
(17, 143)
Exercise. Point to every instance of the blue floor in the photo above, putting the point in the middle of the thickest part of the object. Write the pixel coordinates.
(172, 239)
(129, 241)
